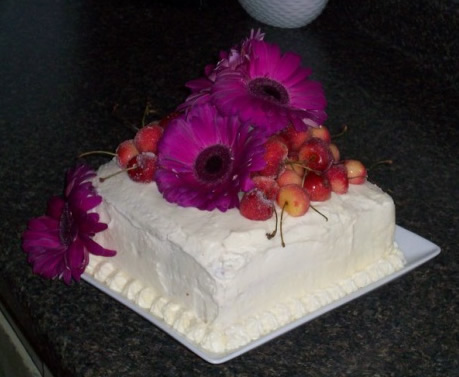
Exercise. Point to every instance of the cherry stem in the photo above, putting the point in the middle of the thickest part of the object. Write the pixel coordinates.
(291, 162)
(280, 225)
(103, 179)
(273, 233)
(383, 162)
(96, 152)
(304, 178)
(341, 133)
(320, 213)
(146, 112)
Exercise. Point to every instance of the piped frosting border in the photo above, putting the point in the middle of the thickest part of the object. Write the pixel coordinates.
(230, 338)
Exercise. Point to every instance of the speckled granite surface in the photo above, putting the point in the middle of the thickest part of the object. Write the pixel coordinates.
(66, 67)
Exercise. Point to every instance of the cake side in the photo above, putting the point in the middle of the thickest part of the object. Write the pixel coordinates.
(217, 278)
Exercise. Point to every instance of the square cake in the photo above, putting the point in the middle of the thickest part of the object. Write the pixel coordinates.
(217, 278)
(231, 217)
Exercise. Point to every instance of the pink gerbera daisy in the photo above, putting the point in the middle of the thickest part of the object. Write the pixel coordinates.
(271, 89)
(58, 244)
(206, 159)
(200, 88)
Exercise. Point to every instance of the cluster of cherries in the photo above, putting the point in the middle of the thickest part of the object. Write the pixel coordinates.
(301, 166)
(138, 156)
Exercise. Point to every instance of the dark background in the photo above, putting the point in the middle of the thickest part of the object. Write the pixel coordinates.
(76, 76)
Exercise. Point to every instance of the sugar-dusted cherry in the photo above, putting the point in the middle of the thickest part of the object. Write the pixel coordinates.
(255, 205)
(294, 138)
(147, 138)
(315, 154)
(267, 185)
(142, 167)
(275, 154)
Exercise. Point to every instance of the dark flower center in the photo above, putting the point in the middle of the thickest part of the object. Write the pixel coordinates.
(269, 90)
(213, 164)
(66, 226)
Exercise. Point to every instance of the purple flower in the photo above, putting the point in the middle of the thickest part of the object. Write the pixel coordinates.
(270, 89)
(201, 87)
(58, 244)
(206, 159)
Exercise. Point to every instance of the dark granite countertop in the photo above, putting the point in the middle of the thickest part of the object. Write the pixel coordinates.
(75, 76)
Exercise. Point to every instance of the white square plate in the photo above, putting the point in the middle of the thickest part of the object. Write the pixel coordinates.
(416, 250)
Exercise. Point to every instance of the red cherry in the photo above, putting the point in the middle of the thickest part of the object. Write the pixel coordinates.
(295, 139)
(164, 122)
(146, 139)
(267, 185)
(337, 175)
(315, 154)
(142, 167)
(125, 152)
(275, 154)
(255, 206)
(318, 187)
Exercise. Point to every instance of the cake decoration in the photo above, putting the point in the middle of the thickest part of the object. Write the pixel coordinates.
(206, 159)
(58, 243)
(260, 84)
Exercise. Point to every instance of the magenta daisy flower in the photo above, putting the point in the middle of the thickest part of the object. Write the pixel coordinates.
(271, 89)
(201, 87)
(206, 159)
(58, 244)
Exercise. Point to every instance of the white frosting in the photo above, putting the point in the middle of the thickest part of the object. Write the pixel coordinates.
(216, 278)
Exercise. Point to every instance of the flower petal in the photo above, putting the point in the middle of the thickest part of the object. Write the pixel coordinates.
(76, 259)
(54, 242)
(240, 92)
(180, 182)
(94, 248)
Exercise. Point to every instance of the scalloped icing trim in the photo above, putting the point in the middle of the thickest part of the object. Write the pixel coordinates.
(230, 338)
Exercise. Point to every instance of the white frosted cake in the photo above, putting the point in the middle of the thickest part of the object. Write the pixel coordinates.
(216, 278)
(203, 218)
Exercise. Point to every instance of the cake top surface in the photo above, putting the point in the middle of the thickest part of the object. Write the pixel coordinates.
(215, 236)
